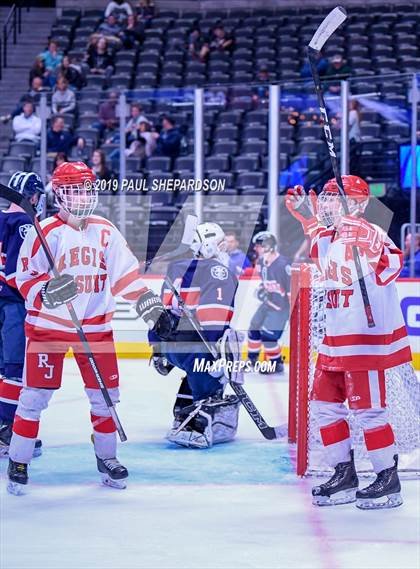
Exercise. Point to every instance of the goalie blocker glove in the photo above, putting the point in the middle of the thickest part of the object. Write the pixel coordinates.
(59, 290)
(150, 308)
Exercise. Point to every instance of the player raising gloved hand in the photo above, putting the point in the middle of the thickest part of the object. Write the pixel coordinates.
(358, 232)
(150, 308)
(297, 203)
(58, 291)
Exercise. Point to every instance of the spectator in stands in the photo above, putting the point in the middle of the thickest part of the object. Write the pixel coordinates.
(337, 68)
(63, 99)
(354, 136)
(260, 92)
(99, 60)
(107, 118)
(110, 27)
(72, 72)
(59, 140)
(133, 33)
(146, 9)
(132, 128)
(147, 138)
(322, 66)
(52, 60)
(405, 273)
(221, 41)
(32, 96)
(98, 165)
(118, 8)
(169, 141)
(198, 47)
(27, 126)
(238, 261)
(38, 70)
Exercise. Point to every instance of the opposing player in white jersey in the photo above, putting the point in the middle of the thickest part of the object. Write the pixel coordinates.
(352, 358)
(95, 265)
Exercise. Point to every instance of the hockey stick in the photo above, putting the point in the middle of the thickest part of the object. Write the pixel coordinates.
(20, 200)
(267, 431)
(325, 30)
(183, 248)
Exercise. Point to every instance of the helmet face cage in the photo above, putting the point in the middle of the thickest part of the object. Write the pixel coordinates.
(79, 200)
(330, 207)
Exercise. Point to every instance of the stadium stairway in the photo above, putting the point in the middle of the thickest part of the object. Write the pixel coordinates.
(36, 27)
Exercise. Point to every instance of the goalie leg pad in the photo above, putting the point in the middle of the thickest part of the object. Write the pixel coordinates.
(207, 422)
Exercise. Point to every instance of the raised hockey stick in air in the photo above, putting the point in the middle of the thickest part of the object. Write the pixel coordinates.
(325, 30)
(18, 199)
(267, 431)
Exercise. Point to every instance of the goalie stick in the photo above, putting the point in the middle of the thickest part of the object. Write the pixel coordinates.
(325, 30)
(267, 431)
(20, 200)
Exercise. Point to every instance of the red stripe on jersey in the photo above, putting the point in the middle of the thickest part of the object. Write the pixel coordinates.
(134, 295)
(94, 221)
(25, 287)
(384, 264)
(335, 432)
(191, 298)
(10, 391)
(126, 281)
(45, 230)
(103, 424)
(366, 339)
(214, 314)
(25, 427)
(167, 299)
(95, 320)
(379, 437)
(11, 282)
(359, 362)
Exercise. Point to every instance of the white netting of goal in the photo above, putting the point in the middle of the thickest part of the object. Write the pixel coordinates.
(402, 399)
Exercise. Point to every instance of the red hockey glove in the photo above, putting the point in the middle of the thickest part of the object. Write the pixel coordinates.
(358, 232)
(297, 203)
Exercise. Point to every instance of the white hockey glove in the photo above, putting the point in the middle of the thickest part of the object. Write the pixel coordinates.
(301, 208)
(58, 291)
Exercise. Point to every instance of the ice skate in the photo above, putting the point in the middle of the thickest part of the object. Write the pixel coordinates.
(384, 492)
(6, 431)
(340, 488)
(18, 477)
(113, 473)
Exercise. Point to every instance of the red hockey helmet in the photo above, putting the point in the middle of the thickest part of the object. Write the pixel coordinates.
(330, 205)
(74, 185)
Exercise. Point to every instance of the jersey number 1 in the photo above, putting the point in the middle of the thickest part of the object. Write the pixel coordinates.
(219, 293)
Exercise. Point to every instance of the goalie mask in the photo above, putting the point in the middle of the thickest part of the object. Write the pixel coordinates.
(209, 241)
(74, 186)
(330, 207)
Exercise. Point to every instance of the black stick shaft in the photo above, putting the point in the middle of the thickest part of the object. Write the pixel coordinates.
(334, 163)
(267, 431)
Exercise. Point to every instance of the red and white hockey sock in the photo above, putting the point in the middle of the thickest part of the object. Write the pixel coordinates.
(254, 347)
(104, 436)
(272, 352)
(9, 396)
(25, 432)
(380, 443)
(336, 440)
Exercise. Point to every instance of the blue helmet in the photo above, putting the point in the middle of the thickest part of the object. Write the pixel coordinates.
(26, 183)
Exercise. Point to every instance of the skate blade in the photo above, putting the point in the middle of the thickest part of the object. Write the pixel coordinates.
(343, 497)
(16, 489)
(37, 452)
(108, 481)
(385, 502)
(4, 451)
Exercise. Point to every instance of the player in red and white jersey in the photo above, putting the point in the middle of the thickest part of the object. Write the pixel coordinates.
(352, 358)
(95, 265)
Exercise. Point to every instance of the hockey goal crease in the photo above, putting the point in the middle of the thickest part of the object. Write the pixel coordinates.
(307, 328)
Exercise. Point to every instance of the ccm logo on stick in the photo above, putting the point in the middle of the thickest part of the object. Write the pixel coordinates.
(410, 307)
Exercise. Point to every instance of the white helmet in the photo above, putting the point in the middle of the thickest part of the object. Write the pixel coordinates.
(208, 239)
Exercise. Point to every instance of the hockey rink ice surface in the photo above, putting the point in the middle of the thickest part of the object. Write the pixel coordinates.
(234, 506)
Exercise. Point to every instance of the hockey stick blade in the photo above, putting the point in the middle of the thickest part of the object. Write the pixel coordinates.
(327, 27)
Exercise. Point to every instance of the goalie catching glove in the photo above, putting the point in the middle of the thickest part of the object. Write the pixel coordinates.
(358, 232)
(158, 319)
(297, 203)
(59, 290)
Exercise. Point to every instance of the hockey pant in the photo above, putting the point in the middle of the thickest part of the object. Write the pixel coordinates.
(12, 319)
(265, 331)
(42, 376)
(365, 393)
(201, 383)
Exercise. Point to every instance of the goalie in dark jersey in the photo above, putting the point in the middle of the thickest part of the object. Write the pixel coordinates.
(269, 320)
(203, 416)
